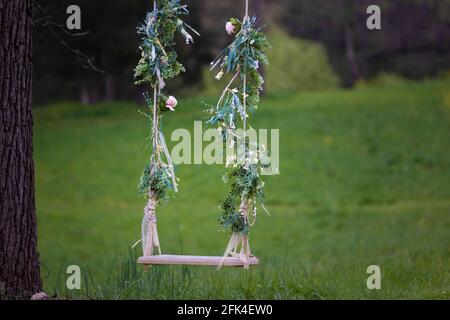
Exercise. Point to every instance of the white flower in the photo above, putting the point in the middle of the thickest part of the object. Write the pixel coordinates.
(171, 103)
(219, 75)
(230, 28)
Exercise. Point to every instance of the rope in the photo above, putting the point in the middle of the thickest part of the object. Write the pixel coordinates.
(155, 104)
(150, 237)
(155, 119)
(245, 80)
(236, 239)
(245, 103)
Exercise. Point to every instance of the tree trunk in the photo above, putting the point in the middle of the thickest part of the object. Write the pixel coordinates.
(351, 55)
(19, 259)
(110, 87)
(84, 95)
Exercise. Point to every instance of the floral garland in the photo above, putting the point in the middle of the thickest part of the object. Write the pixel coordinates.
(241, 58)
(159, 63)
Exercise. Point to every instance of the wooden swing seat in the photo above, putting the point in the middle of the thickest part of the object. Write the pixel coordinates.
(172, 259)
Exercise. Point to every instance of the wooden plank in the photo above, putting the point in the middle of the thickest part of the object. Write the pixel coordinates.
(170, 259)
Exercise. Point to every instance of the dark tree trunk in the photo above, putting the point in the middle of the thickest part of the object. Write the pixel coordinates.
(110, 87)
(351, 55)
(19, 259)
(84, 95)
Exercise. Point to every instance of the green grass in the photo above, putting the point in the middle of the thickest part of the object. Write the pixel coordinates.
(365, 179)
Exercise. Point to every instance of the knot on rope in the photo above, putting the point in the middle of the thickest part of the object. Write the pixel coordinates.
(150, 207)
(245, 208)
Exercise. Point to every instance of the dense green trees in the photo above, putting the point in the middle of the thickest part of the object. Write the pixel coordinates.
(413, 41)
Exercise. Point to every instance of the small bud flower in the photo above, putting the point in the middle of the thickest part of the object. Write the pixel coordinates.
(171, 103)
(230, 28)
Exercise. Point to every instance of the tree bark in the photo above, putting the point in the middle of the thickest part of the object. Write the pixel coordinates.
(351, 55)
(110, 87)
(19, 258)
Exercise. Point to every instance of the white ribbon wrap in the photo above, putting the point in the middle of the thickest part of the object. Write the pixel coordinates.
(239, 239)
(149, 229)
(169, 161)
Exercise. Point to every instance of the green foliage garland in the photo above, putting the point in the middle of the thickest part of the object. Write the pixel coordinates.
(159, 63)
(241, 58)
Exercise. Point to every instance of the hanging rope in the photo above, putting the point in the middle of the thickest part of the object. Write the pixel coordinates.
(150, 237)
(245, 79)
(157, 40)
(236, 238)
(155, 124)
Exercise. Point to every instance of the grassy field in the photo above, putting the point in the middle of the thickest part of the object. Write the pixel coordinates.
(365, 179)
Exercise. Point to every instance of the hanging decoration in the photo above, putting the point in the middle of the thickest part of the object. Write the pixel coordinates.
(158, 64)
(239, 99)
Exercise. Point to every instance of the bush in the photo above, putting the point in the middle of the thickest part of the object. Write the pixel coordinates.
(297, 65)
(388, 79)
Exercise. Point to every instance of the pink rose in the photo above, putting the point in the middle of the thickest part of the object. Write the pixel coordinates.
(171, 103)
(230, 28)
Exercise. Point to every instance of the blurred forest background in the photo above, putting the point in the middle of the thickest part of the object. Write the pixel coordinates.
(317, 45)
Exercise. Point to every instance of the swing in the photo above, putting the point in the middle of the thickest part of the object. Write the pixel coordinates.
(195, 260)
(158, 63)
